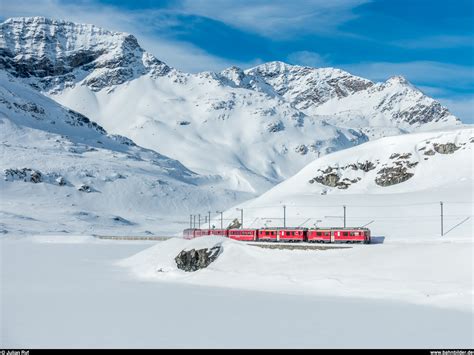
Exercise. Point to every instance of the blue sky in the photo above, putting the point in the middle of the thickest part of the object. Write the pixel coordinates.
(430, 42)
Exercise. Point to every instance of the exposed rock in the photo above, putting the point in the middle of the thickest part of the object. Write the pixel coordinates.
(331, 180)
(366, 166)
(448, 148)
(61, 181)
(193, 260)
(301, 149)
(429, 152)
(275, 127)
(404, 156)
(184, 123)
(25, 174)
(392, 175)
(328, 180)
(85, 188)
(235, 224)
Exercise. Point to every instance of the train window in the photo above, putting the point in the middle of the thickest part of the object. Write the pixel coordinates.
(345, 234)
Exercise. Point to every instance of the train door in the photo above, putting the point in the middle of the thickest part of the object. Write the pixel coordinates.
(333, 237)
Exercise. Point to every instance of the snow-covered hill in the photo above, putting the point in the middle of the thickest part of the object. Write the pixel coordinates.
(62, 172)
(254, 128)
(394, 185)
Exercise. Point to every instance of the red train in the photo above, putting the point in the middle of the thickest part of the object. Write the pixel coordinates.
(287, 234)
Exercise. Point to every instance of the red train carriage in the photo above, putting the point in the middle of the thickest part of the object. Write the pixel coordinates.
(189, 233)
(339, 235)
(221, 232)
(354, 235)
(242, 234)
(269, 234)
(292, 234)
(319, 235)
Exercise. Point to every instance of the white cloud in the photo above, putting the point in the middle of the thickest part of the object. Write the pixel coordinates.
(277, 18)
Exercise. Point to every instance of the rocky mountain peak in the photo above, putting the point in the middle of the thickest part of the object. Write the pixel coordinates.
(308, 87)
(61, 53)
(398, 80)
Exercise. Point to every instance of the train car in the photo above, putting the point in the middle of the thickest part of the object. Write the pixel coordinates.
(352, 235)
(204, 232)
(243, 234)
(189, 233)
(221, 232)
(320, 235)
(268, 234)
(339, 235)
(292, 234)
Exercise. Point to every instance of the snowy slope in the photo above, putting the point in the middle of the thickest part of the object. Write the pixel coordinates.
(391, 272)
(254, 128)
(393, 185)
(62, 172)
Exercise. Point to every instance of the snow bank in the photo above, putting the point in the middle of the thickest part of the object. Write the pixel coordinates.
(438, 274)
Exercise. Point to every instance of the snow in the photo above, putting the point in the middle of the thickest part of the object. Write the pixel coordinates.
(133, 190)
(396, 272)
(59, 295)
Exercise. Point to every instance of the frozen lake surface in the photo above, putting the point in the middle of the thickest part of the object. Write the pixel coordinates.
(73, 295)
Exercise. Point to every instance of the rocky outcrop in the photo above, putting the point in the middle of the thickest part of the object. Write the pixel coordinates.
(58, 53)
(393, 175)
(235, 224)
(448, 148)
(85, 188)
(301, 149)
(274, 127)
(25, 174)
(332, 178)
(193, 260)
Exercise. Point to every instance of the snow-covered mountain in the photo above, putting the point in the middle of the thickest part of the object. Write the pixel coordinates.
(62, 172)
(254, 128)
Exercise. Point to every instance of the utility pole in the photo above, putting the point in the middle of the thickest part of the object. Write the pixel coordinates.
(222, 222)
(284, 216)
(241, 217)
(209, 219)
(344, 216)
(441, 205)
(194, 221)
(199, 219)
(190, 221)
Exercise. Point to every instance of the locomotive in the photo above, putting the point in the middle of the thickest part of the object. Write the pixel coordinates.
(287, 234)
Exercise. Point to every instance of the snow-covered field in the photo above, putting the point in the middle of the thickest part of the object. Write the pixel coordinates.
(69, 292)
